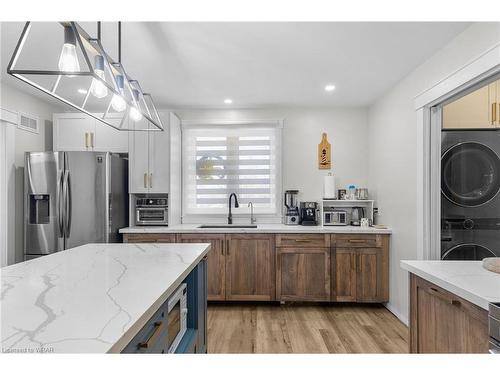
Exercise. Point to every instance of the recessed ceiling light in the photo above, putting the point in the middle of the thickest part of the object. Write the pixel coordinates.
(82, 91)
(329, 88)
(228, 101)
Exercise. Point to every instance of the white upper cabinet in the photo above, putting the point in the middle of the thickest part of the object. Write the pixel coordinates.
(109, 139)
(72, 132)
(80, 132)
(149, 160)
(138, 163)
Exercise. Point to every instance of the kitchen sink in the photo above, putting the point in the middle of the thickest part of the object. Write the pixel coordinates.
(227, 226)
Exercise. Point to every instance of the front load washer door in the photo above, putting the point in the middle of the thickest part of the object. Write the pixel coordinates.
(470, 174)
(468, 251)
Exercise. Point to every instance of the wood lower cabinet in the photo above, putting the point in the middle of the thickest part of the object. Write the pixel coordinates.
(216, 262)
(360, 274)
(344, 271)
(441, 322)
(291, 266)
(149, 238)
(302, 274)
(250, 267)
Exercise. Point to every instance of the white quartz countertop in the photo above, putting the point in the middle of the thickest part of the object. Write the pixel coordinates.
(90, 299)
(261, 228)
(466, 279)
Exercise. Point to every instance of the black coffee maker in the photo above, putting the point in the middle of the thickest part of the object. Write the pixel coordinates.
(308, 213)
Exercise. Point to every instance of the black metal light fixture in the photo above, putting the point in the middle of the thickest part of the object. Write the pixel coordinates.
(81, 67)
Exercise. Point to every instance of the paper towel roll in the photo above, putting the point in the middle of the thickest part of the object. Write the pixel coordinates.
(329, 187)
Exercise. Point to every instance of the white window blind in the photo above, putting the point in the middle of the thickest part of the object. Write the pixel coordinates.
(222, 159)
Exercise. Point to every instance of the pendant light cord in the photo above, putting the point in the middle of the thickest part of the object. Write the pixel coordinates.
(99, 31)
(119, 42)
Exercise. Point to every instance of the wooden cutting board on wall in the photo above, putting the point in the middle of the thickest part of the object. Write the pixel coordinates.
(324, 153)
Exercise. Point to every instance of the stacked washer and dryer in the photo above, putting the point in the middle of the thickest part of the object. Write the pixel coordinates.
(470, 199)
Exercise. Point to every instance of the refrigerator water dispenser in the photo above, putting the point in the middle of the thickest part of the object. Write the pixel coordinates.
(39, 209)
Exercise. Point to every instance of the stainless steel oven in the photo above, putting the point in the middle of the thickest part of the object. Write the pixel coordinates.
(151, 210)
(177, 318)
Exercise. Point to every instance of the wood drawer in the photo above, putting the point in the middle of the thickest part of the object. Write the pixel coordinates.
(303, 240)
(149, 238)
(357, 240)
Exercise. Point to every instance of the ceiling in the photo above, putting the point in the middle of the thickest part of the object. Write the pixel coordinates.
(198, 65)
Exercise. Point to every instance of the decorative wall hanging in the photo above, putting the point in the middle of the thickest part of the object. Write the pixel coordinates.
(77, 71)
(324, 153)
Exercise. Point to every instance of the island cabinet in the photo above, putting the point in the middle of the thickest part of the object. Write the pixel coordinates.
(441, 322)
(303, 267)
(360, 268)
(250, 267)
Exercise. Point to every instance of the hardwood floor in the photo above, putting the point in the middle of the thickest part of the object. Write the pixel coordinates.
(314, 328)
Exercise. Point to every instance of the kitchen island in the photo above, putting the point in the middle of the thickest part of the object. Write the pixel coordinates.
(449, 305)
(99, 298)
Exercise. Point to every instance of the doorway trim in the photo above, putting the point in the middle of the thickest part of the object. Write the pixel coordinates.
(8, 122)
(428, 116)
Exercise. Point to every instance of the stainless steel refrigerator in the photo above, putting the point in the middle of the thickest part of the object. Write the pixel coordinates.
(73, 198)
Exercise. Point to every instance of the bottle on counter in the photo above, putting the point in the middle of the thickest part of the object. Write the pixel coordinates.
(351, 193)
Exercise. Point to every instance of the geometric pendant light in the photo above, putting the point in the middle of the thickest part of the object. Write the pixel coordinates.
(76, 70)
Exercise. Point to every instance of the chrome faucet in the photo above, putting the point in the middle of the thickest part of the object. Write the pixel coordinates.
(252, 219)
(236, 205)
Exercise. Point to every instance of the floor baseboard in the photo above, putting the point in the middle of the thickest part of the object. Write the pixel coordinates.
(397, 313)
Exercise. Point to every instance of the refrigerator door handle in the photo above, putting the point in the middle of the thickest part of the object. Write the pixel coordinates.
(67, 204)
(60, 213)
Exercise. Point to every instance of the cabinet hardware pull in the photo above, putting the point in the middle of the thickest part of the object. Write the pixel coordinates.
(145, 180)
(227, 247)
(435, 292)
(86, 140)
(493, 113)
(301, 240)
(92, 139)
(151, 180)
(156, 331)
(357, 241)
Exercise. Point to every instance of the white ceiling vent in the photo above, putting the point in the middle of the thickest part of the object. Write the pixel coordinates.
(28, 122)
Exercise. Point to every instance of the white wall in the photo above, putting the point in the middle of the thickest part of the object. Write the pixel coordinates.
(15, 100)
(393, 149)
(346, 129)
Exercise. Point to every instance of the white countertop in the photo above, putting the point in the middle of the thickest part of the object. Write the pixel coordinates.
(261, 228)
(90, 299)
(466, 279)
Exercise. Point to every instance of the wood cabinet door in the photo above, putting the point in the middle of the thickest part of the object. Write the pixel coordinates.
(344, 275)
(215, 262)
(472, 111)
(303, 274)
(441, 322)
(250, 272)
(367, 284)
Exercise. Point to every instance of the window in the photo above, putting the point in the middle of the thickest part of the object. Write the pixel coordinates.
(220, 159)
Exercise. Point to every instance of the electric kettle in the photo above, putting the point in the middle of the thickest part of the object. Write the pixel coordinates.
(356, 214)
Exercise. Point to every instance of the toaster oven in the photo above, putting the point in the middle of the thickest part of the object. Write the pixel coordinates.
(151, 211)
(332, 216)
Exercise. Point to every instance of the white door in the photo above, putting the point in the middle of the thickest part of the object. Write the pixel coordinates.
(73, 132)
(159, 160)
(110, 139)
(138, 162)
